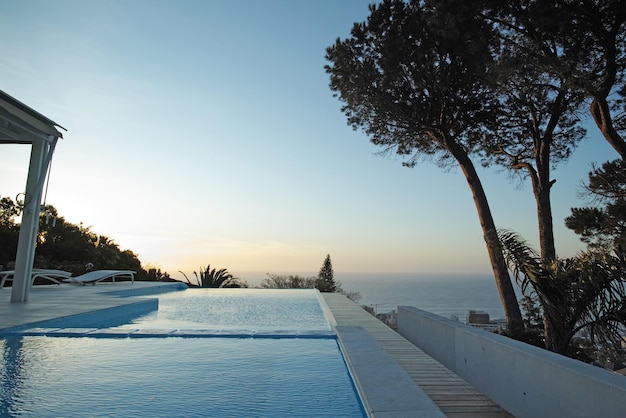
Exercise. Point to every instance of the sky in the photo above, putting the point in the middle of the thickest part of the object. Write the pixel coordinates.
(204, 132)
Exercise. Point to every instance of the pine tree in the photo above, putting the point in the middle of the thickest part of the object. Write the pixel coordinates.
(325, 279)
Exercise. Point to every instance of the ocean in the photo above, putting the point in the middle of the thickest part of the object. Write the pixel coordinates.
(449, 295)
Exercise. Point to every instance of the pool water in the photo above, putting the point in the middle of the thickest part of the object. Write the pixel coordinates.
(213, 376)
(174, 377)
(242, 310)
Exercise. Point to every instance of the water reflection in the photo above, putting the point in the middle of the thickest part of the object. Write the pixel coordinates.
(11, 373)
(76, 377)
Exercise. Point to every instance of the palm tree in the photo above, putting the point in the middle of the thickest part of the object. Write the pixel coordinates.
(582, 292)
(212, 277)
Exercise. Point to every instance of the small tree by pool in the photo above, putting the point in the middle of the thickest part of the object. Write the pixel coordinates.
(325, 278)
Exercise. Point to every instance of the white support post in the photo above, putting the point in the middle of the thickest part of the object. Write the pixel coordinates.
(40, 157)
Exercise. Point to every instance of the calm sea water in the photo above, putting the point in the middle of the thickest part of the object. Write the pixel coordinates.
(445, 295)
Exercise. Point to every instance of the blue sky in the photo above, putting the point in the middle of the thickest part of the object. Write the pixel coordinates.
(205, 132)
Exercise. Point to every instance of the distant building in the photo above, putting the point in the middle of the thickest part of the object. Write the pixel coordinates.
(369, 309)
(477, 317)
(480, 319)
(389, 318)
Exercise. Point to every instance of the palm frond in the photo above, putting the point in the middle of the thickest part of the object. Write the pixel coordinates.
(521, 258)
(186, 278)
(212, 277)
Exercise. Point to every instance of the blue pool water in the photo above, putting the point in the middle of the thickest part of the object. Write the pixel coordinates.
(214, 376)
(230, 310)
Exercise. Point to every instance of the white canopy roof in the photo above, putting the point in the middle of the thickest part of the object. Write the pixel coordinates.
(19, 124)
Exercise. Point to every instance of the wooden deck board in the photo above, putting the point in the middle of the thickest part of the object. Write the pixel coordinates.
(454, 396)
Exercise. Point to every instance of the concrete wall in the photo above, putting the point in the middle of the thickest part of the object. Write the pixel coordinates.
(527, 381)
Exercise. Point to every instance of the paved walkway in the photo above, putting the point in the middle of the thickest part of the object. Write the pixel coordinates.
(454, 396)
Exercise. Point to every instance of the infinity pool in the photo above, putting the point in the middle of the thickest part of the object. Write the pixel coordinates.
(237, 310)
(237, 355)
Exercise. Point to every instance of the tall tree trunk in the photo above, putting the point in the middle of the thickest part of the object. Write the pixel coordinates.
(549, 333)
(546, 227)
(557, 334)
(602, 117)
(541, 184)
(541, 189)
(494, 249)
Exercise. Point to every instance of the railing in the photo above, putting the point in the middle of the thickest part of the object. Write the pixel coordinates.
(527, 381)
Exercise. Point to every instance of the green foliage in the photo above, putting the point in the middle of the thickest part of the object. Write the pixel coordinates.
(9, 230)
(352, 295)
(67, 242)
(603, 227)
(414, 77)
(533, 317)
(294, 281)
(214, 278)
(8, 211)
(154, 274)
(325, 279)
(585, 292)
(277, 281)
(411, 86)
(580, 43)
(502, 81)
(533, 321)
(538, 123)
(64, 245)
(8, 244)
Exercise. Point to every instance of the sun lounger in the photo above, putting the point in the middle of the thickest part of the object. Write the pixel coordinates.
(54, 276)
(96, 276)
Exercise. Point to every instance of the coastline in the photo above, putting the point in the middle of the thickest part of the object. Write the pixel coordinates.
(447, 295)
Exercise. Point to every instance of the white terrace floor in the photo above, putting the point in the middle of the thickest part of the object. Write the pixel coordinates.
(395, 378)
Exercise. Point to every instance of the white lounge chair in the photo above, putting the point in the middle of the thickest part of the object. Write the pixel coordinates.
(96, 276)
(53, 276)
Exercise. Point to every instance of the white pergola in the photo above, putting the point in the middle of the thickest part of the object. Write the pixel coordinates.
(19, 124)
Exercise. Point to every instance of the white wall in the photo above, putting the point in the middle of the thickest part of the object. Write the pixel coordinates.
(527, 381)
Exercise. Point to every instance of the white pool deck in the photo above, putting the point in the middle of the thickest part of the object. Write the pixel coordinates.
(394, 377)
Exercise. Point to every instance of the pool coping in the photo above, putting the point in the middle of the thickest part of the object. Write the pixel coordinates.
(386, 390)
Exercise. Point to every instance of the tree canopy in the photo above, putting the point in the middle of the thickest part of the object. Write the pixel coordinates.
(538, 123)
(579, 42)
(292, 281)
(66, 246)
(493, 82)
(413, 78)
(9, 230)
(603, 226)
(412, 86)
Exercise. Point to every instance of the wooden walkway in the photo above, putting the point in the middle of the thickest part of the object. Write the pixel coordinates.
(454, 396)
